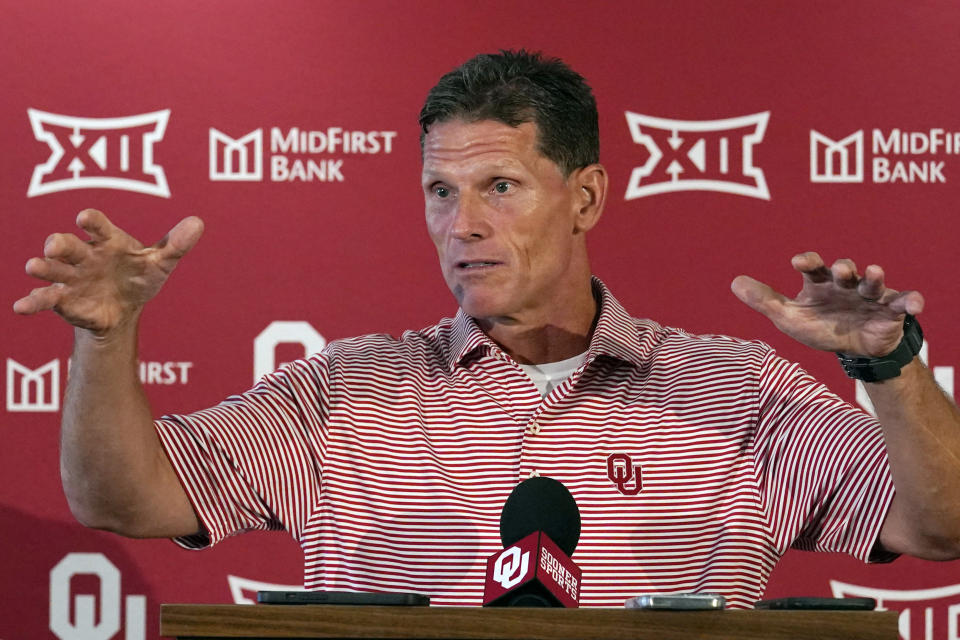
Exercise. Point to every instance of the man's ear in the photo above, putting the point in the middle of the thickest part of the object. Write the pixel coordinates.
(590, 184)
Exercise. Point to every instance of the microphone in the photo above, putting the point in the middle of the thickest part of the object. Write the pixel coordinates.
(539, 528)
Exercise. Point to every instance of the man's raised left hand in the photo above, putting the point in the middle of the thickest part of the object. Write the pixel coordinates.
(837, 309)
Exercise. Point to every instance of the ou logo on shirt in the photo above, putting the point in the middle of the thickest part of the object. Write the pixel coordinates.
(511, 567)
(621, 470)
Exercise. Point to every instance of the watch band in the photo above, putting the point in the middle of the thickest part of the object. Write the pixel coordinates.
(888, 366)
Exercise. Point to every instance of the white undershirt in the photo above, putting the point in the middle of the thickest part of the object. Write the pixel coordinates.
(548, 376)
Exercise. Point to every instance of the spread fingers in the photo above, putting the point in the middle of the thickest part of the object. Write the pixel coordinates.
(50, 270)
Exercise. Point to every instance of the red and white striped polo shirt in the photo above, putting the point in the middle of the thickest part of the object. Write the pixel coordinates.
(696, 461)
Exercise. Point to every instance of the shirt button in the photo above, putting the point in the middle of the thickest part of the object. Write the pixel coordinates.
(534, 474)
(534, 428)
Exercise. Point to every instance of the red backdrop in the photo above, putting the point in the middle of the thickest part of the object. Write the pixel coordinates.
(851, 151)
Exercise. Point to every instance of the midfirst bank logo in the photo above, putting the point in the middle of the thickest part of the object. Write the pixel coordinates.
(897, 156)
(99, 153)
(698, 155)
(33, 390)
(925, 614)
(38, 389)
(296, 155)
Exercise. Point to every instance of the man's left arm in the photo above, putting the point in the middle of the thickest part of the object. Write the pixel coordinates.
(839, 310)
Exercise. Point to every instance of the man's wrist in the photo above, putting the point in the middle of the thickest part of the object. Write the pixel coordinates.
(888, 366)
(119, 336)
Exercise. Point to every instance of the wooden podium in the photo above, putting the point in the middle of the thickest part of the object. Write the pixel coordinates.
(208, 622)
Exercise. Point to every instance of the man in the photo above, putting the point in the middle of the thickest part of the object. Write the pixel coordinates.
(696, 461)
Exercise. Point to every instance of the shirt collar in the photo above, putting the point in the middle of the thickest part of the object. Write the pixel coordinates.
(466, 338)
(616, 334)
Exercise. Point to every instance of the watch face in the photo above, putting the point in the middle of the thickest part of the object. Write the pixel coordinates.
(912, 335)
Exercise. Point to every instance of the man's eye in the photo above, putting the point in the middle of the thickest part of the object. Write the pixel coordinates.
(441, 192)
(502, 187)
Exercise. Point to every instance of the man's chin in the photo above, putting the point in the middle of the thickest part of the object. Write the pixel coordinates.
(481, 306)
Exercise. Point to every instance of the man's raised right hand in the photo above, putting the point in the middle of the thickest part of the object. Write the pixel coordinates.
(102, 284)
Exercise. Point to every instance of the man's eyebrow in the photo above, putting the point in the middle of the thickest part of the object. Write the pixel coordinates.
(508, 165)
(431, 176)
(436, 171)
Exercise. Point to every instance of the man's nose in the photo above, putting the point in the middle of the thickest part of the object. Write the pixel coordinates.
(470, 220)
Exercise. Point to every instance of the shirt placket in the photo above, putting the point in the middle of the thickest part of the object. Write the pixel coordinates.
(538, 426)
(530, 457)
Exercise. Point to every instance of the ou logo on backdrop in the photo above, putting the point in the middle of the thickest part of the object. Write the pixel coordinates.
(511, 567)
(283, 332)
(88, 623)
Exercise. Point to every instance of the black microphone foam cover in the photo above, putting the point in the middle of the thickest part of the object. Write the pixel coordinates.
(541, 504)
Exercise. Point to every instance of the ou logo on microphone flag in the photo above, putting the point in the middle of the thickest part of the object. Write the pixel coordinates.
(511, 567)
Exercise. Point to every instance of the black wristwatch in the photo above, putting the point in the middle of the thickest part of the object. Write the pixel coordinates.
(888, 366)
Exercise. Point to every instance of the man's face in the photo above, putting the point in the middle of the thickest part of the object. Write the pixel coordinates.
(502, 217)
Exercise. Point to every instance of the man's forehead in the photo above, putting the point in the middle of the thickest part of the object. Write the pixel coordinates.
(495, 142)
(463, 134)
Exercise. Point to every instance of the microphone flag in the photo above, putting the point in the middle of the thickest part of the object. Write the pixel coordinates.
(533, 572)
(539, 529)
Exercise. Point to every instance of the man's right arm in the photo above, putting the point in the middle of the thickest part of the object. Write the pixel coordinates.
(115, 473)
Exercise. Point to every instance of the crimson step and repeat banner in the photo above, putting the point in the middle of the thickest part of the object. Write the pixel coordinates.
(736, 134)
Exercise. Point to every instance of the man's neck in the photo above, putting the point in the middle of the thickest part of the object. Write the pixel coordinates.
(552, 338)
